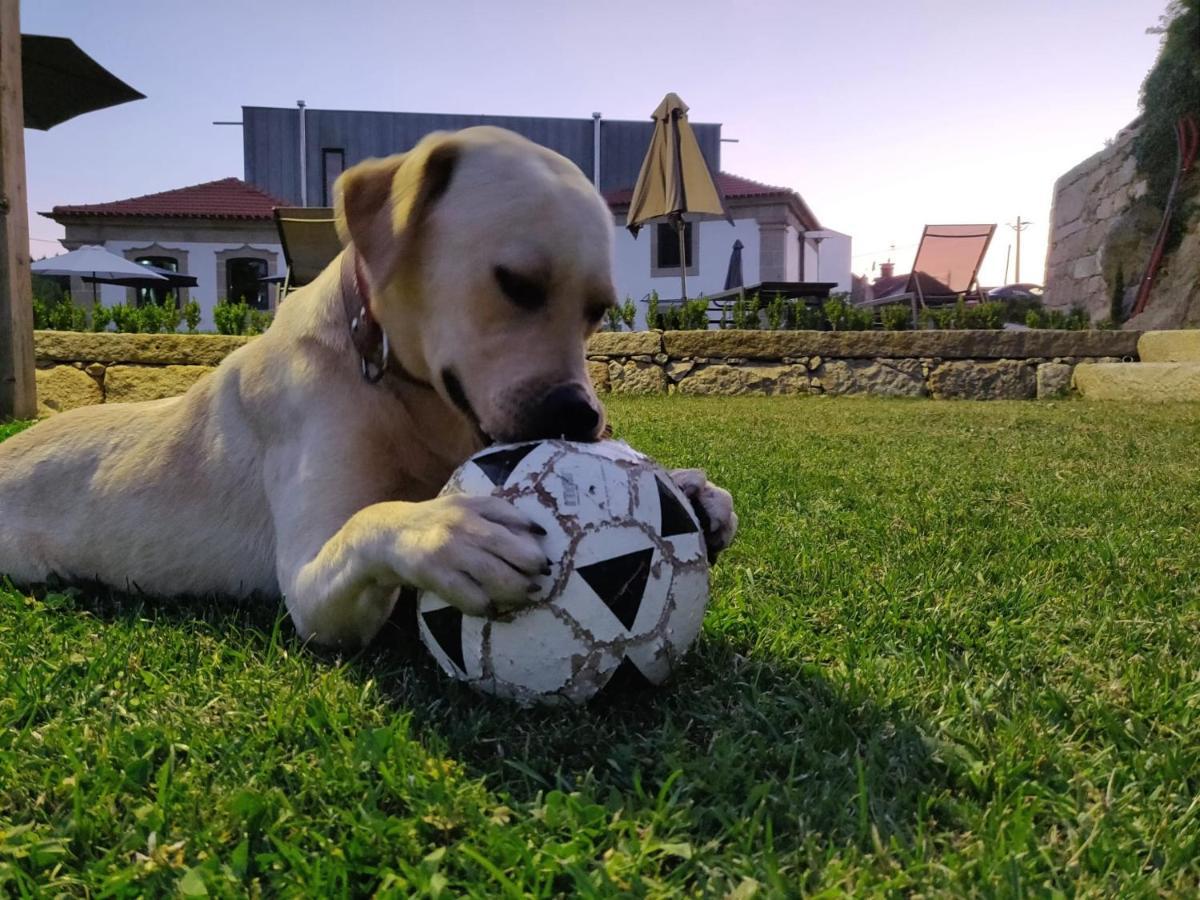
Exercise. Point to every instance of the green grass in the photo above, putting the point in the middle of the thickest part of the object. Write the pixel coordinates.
(955, 650)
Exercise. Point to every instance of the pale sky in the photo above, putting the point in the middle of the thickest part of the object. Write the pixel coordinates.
(883, 114)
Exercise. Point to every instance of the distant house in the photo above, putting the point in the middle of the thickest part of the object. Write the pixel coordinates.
(220, 232)
(782, 241)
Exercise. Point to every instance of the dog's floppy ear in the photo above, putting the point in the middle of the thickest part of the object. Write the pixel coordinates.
(381, 204)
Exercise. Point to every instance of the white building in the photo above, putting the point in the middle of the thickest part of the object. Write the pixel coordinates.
(781, 240)
(222, 233)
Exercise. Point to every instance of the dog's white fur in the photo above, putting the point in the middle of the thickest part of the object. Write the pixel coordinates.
(284, 472)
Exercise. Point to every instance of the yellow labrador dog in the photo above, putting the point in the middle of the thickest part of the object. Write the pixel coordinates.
(308, 463)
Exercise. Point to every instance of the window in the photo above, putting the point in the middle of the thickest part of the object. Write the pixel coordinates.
(333, 161)
(664, 251)
(243, 282)
(158, 294)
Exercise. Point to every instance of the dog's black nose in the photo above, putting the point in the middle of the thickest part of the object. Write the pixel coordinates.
(565, 411)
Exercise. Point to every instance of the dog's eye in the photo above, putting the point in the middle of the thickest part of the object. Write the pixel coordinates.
(525, 292)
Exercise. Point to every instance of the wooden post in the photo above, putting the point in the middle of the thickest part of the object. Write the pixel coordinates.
(18, 397)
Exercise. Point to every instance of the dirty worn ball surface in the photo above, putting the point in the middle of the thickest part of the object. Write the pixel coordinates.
(627, 589)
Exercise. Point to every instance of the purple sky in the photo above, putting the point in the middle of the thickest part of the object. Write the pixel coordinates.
(883, 115)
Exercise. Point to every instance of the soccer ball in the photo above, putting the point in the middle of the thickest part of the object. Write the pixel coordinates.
(628, 583)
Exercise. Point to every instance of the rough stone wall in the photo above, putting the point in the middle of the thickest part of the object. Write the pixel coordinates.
(82, 369)
(1094, 220)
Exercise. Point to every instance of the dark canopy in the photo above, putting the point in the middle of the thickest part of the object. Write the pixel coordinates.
(61, 82)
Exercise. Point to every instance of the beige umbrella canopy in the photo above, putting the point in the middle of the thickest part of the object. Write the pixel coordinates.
(674, 184)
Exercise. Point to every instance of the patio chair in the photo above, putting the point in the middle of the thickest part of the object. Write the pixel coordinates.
(310, 243)
(946, 266)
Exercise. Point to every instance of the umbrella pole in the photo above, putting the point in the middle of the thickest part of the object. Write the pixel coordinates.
(682, 258)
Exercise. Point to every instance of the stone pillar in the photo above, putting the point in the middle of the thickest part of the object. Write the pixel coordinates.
(772, 251)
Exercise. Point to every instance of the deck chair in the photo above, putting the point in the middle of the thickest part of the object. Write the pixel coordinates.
(310, 243)
(946, 266)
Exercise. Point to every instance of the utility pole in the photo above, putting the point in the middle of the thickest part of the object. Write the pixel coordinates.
(1020, 226)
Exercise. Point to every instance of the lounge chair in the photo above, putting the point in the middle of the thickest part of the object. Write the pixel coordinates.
(310, 243)
(946, 266)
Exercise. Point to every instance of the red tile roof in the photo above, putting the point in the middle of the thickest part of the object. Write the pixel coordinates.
(734, 187)
(228, 198)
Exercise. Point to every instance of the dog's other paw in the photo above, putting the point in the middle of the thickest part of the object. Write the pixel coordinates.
(713, 506)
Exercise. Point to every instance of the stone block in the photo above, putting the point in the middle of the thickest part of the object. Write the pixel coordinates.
(972, 380)
(1086, 267)
(1053, 380)
(636, 378)
(598, 373)
(1069, 204)
(1170, 346)
(133, 384)
(880, 377)
(60, 388)
(145, 349)
(625, 343)
(1157, 382)
(725, 380)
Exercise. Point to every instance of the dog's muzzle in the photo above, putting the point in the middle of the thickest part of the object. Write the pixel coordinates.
(565, 411)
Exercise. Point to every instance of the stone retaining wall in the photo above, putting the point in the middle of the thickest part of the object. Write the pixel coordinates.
(79, 369)
(1097, 227)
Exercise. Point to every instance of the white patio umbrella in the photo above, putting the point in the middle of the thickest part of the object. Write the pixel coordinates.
(95, 263)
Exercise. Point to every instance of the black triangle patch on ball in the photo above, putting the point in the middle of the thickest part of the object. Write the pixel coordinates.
(620, 582)
(445, 625)
(675, 519)
(627, 678)
(499, 465)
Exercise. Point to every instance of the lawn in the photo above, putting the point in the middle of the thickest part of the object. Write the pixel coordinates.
(955, 650)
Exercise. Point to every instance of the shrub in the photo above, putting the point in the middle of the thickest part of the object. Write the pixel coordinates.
(629, 313)
(231, 318)
(153, 318)
(191, 315)
(101, 316)
(671, 319)
(896, 318)
(653, 319)
(986, 315)
(59, 315)
(258, 321)
(693, 315)
(1171, 90)
(837, 313)
(775, 313)
(612, 318)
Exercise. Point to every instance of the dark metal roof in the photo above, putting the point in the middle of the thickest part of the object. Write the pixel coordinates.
(271, 137)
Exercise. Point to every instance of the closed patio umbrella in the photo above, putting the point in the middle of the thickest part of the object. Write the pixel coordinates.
(733, 275)
(674, 184)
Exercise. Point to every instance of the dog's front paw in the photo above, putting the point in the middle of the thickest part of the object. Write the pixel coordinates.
(477, 553)
(713, 506)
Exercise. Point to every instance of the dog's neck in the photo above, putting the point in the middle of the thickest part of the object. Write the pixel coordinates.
(384, 375)
(377, 363)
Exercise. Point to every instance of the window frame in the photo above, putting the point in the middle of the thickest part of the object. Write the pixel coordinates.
(692, 230)
(328, 153)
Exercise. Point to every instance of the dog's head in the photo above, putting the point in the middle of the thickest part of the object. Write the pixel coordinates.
(489, 261)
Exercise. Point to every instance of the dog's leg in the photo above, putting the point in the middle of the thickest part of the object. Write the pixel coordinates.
(342, 558)
(713, 506)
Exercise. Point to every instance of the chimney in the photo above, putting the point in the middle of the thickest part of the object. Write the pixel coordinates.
(887, 269)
